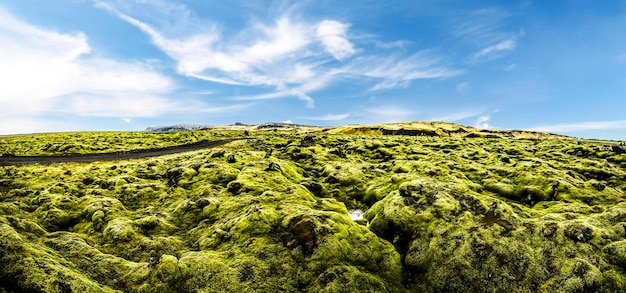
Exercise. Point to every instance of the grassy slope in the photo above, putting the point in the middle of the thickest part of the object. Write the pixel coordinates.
(444, 129)
(444, 213)
(68, 143)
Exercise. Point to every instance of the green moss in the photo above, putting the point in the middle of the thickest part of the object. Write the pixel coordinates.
(498, 251)
(347, 279)
(343, 173)
(29, 266)
(441, 215)
(119, 230)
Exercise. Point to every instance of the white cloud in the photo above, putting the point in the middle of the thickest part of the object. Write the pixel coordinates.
(482, 121)
(285, 38)
(288, 121)
(45, 72)
(14, 124)
(462, 87)
(483, 30)
(292, 55)
(510, 67)
(394, 44)
(385, 114)
(495, 51)
(265, 60)
(394, 71)
(461, 115)
(329, 117)
(582, 126)
(203, 93)
(116, 105)
(479, 27)
(333, 36)
(41, 69)
(193, 54)
(127, 120)
(277, 95)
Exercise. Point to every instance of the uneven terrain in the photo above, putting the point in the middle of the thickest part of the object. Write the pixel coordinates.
(445, 211)
(12, 160)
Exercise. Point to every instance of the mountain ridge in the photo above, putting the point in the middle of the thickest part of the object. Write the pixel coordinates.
(412, 128)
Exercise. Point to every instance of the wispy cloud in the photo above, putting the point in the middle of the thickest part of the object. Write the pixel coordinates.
(260, 62)
(108, 104)
(496, 50)
(41, 67)
(333, 36)
(329, 117)
(582, 126)
(292, 55)
(457, 116)
(203, 93)
(365, 38)
(482, 121)
(462, 87)
(394, 44)
(385, 114)
(13, 124)
(393, 71)
(277, 95)
(485, 30)
(510, 67)
(479, 26)
(46, 72)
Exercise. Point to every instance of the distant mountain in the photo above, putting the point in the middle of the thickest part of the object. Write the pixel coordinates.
(235, 126)
(281, 125)
(177, 127)
(414, 128)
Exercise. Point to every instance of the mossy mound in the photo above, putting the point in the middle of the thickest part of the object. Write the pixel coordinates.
(462, 241)
(188, 223)
(438, 128)
(442, 214)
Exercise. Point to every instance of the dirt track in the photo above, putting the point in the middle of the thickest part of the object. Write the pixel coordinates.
(25, 160)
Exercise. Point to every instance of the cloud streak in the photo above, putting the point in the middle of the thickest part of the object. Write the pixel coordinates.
(482, 121)
(385, 114)
(333, 36)
(291, 55)
(582, 126)
(484, 29)
(495, 51)
(461, 115)
(394, 71)
(41, 68)
(46, 72)
(329, 117)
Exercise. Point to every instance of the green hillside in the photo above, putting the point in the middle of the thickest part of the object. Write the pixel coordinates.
(445, 210)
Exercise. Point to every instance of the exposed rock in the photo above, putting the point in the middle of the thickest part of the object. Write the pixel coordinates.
(618, 149)
(409, 132)
(579, 233)
(302, 232)
(178, 127)
(307, 141)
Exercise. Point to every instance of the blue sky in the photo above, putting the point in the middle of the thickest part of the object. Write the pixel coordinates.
(557, 66)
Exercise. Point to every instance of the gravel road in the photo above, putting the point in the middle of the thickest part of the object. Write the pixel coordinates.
(25, 160)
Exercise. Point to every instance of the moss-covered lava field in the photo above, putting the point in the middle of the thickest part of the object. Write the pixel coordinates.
(280, 213)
